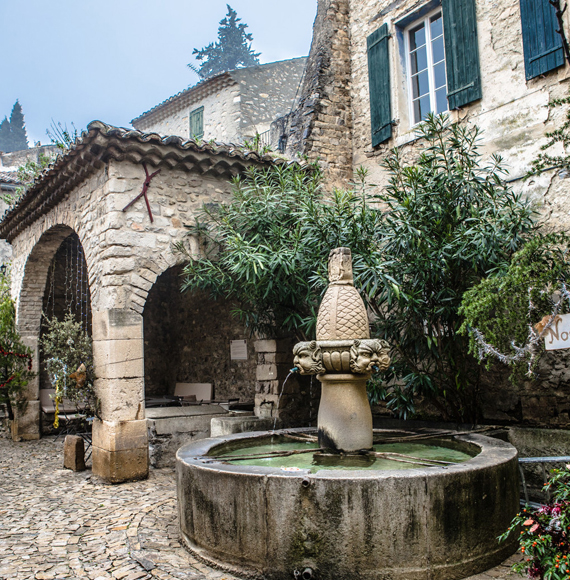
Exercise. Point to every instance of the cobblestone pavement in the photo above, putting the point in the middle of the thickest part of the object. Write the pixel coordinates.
(57, 524)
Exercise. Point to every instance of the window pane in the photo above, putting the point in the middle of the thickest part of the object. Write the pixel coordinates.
(441, 100)
(417, 37)
(439, 75)
(419, 60)
(420, 84)
(437, 49)
(421, 109)
(436, 25)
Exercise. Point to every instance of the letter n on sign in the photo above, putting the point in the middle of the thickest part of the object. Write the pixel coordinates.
(558, 335)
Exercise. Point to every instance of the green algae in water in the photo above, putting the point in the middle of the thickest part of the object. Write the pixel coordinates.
(347, 462)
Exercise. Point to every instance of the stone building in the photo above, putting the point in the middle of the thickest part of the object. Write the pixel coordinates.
(229, 107)
(9, 182)
(496, 65)
(376, 67)
(79, 244)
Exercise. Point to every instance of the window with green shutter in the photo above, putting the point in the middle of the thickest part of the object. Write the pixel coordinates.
(197, 123)
(379, 85)
(542, 45)
(461, 51)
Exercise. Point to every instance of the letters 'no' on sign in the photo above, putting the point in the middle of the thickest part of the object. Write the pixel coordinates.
(558, 335)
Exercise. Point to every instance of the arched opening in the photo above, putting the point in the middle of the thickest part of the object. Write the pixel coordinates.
(66, 294)
(33, 290)
(188, 339)
(192, 342)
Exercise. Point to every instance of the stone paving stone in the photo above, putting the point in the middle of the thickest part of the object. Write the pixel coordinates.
(56, 523)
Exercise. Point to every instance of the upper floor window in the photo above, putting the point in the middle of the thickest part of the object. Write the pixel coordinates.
(440, 47)
(426, 67)
(197, 123)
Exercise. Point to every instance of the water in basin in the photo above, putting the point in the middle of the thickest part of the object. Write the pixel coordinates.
(316, 462)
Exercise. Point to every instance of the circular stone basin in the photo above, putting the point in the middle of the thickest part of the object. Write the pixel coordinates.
(311, 518)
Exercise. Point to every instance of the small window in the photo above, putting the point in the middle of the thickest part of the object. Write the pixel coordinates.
(427, 80)
(197, 123)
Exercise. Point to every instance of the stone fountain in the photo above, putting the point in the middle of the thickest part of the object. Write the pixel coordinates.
(343, 357)
(275, 506)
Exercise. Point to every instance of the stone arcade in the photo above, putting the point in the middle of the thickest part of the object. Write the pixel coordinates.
(83, 194)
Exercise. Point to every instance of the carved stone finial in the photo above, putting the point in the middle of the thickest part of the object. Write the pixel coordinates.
(342, 315)
(340, 266)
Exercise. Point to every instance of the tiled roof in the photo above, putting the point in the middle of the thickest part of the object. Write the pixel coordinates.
(102, 143)
(185, 97)
(201, 90)
(9, 177)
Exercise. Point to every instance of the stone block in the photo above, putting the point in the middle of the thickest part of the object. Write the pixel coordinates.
(121, 399)
(74, 453)
(273, 345)
(265, 345)
(120, 466)
(266, 372)
(118, 358)
(26, 424)
(120, 435)
(118, 266)
(117, 324)
(222, 426)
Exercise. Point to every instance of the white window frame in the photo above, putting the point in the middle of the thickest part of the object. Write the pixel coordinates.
(432, 99)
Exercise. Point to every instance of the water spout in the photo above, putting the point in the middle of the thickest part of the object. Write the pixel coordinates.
(276, 409)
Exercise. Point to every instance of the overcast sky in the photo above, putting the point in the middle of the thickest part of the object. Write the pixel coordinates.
(80, 60)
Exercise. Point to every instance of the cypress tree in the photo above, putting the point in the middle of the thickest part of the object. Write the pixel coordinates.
(5, 136)
(231, 51)
(19, 139)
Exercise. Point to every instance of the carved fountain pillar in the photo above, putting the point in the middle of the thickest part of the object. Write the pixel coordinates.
(343, 357)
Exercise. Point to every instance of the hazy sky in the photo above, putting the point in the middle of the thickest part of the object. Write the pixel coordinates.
(80, 60)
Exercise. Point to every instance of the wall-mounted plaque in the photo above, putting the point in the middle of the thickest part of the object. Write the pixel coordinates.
(238, 349)
(558, 335)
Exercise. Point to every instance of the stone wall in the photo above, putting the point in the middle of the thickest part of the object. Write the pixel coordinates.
(267, 92)
(221, 117)
(235, 108)
(187, 340)
(321, 124)
(513, 112)
(11, 161)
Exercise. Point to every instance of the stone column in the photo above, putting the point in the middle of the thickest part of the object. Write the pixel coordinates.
(120, 439)
(274, 362)
(26, 424)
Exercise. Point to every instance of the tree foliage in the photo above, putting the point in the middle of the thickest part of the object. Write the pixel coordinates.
(449, 222)
(442, 224)
(506, 312)
(15, 358)
(66, 346)
(268, 248)
(231, 51)
(13, 132)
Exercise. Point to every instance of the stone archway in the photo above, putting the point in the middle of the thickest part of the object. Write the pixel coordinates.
(187, 338)
(29, 305)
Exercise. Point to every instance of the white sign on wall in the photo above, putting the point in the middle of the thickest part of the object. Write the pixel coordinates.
(238, 349)
(558, 335)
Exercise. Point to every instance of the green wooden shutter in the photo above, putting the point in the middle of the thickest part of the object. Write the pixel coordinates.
(197, 123)
(379, 84)
(461, 52)
(541, 43)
